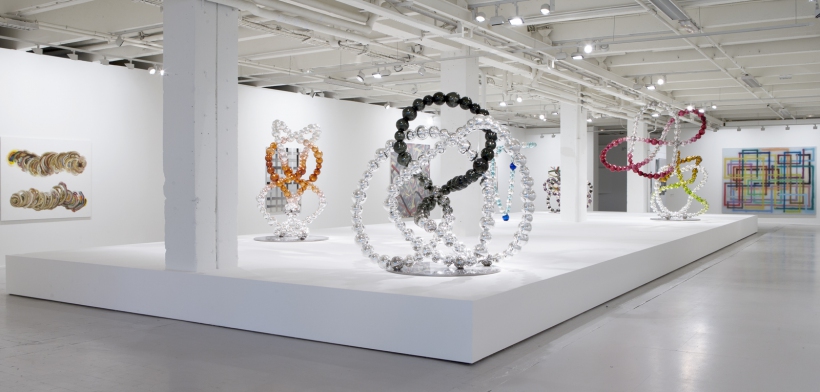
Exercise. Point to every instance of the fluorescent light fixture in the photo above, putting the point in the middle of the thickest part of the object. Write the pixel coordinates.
(480, 17)
(545, 9)
(588, 48)
(18, 24)
(152, 70)
(345, 83)
(497, 20)
(671, 10)
(750, 81)
(577, 56)
(377, 74)
(422, 70)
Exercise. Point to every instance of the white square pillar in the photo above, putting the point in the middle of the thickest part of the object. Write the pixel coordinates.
(573, 163)
(461, 76)
(200, 139)
(637, 187)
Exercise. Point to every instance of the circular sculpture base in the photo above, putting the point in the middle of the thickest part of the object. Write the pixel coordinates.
(270, 238)
(675, 220)
(446, 272)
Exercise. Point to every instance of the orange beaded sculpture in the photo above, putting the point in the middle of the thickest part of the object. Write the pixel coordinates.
(293, 227)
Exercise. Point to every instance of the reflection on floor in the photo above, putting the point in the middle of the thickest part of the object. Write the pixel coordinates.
(742, 319)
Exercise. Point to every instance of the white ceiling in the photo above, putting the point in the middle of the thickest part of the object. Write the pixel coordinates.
(776, 42)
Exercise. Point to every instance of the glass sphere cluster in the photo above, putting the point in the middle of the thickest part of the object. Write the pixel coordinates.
(553, 188)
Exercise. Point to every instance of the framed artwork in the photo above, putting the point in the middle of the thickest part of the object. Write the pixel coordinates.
(411, 193)
(45, 179)
(769, 180)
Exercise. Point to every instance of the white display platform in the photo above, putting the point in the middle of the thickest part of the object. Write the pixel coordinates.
(326, 291)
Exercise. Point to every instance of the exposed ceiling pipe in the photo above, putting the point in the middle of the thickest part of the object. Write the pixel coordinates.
(95, 34)
(315, 16)
(331, 10)
(293, 21)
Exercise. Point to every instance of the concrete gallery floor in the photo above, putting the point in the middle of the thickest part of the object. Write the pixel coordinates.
(745, 318)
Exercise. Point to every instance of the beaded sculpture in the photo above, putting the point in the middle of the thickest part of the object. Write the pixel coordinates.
(505, 210)
(553, 188)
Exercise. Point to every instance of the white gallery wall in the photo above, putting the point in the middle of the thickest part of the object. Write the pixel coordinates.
(120, 112)
(711, 146)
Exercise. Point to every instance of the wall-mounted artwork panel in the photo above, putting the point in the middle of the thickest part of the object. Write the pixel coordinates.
(45, 179)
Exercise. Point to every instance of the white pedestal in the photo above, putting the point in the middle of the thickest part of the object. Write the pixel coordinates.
(326, 291)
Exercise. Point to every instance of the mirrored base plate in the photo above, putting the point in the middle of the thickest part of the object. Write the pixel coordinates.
(676, 220)
(270, 238)
(426, 270)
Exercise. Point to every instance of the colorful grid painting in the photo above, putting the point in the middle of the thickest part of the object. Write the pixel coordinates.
(776, 180)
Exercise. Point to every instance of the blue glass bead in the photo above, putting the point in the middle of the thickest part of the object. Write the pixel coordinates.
(505, 217)
(512, 166)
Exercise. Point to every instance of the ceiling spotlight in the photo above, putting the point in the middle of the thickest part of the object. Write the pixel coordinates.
(312, 93)
(589, 119)
(129, 65)
(788, 128)
(588, 48)
(690, 107)
(480, 17)
(762, 128)
(577, 56)
(553, 136)
(560, 56)
(377, 74)
(656, 114)
(119, 41)
(701, 110)
(650, 86)
(554, 113)
(541, 116)
(360, 76)
(502, 103)
(542, 136)
(152, 70)
(104, 61)
(73, 56)
(814, 127)
(162, 72)
(387, 105)
(309, 71)
(497, 20)
(386, 72)
(714, 106)
(738, 129)
(516, 20)
(661, 80)
(422, 70)
(37, 50)
(637, 86)
(545, 9)
(398, 68)
(519, 99)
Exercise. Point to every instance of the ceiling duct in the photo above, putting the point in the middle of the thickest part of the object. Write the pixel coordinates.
(671, 9)
(345, 83)
(750, 81)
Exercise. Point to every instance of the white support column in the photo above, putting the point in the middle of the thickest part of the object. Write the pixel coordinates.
(461, 76)
(200, 140)
(637, 187)
(573, 163)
